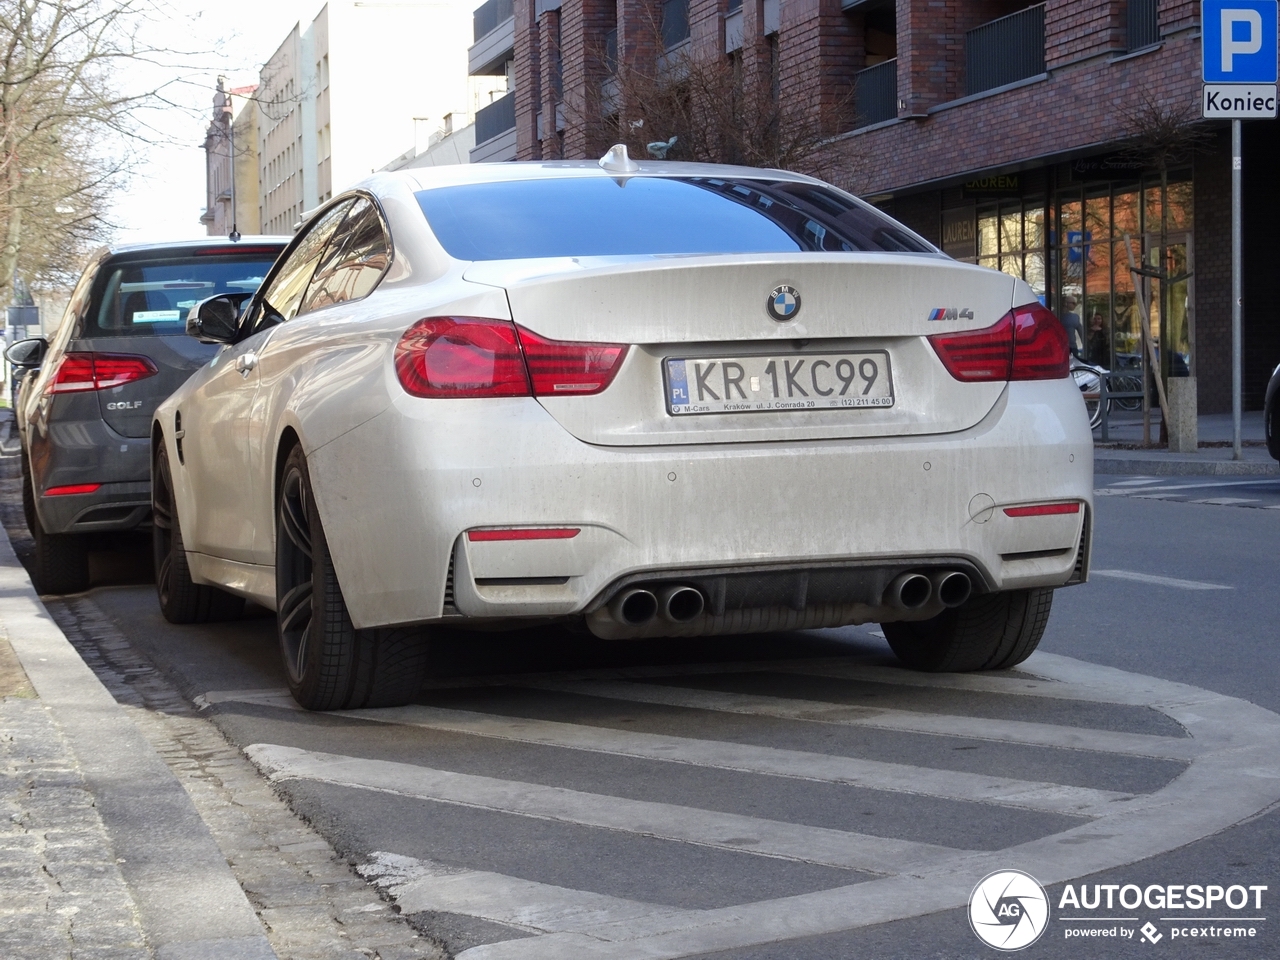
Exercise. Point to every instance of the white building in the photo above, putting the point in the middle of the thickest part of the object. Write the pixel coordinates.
(355, 86)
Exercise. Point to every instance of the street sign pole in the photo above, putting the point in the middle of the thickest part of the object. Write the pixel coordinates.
(1237, 291)
(1239, 47)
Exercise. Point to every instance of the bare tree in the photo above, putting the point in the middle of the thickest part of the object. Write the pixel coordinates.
(689, 105)
(1163, 134)
(63, 128)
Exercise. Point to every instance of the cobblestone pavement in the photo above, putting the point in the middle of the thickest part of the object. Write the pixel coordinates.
(312, 904)
(61, 893)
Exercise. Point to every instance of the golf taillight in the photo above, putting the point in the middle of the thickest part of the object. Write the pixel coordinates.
(478, 357)
(84, 372)
(1027, 343)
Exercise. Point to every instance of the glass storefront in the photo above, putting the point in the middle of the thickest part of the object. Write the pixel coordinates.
(1069, 247)
(1094, 281)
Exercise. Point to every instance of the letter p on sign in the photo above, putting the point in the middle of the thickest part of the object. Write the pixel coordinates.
(1239, 40)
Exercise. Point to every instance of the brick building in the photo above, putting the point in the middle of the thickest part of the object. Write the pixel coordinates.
(995, 128)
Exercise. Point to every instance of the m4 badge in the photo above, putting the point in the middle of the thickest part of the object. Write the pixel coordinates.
(951, 313)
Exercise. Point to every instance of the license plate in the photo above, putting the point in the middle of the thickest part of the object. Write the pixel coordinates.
(811, 381)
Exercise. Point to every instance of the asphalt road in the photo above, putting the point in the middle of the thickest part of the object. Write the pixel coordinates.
(798, 796)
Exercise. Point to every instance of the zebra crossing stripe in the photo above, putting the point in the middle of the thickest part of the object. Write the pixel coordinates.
(769, 761)
(905, 721)
(725, 831)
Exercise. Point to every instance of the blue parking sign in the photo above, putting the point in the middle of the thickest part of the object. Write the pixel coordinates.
(1238, 40)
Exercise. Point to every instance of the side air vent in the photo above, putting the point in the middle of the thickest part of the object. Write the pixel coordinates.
(450, 609)
(1082, 554)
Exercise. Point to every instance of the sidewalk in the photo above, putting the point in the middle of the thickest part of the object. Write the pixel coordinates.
(129, 828)
(102, 852)
(1124, 453)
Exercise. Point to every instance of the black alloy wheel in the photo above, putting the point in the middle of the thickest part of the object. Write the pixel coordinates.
(181, 599)
(329, 664)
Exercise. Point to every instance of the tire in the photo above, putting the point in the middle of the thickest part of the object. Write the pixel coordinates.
(994, 631)
(329, 664)
(61, 562)
(1127, 384)
(181, 599)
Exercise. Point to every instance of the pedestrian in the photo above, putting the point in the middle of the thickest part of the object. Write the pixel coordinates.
(1075, 329)
(1096, 348)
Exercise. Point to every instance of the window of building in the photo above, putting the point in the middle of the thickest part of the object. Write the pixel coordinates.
(1143, 23)
(1011, 238)
(1093, 276)
(675, 22)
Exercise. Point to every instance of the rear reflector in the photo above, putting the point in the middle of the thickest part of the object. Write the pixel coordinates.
(479, 357)
(524, 533)
(84, 372)
(1027, 343)
(1043, 509)
(72, 488)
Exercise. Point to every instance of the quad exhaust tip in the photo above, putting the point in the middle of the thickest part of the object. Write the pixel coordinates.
(675, 603)
(680, 604)
(951, 587)
(634, 607)
(909, 591)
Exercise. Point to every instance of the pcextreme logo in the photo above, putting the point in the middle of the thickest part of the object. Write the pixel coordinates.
(1008, 910)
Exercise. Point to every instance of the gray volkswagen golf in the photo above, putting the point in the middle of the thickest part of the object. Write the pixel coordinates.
(85, 402)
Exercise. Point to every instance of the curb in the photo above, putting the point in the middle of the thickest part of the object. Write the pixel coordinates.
(1184, 468)
(189, 903)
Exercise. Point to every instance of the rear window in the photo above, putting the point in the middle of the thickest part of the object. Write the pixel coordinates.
(134, 298)
(601, 216)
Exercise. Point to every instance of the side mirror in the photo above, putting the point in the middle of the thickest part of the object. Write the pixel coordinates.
(216, 320)
(27, 354)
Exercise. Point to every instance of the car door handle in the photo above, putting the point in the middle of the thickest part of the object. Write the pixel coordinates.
(246, 362)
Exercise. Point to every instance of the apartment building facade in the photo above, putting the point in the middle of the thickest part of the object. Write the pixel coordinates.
(231, 163)
(1008, 133)
(347, 91)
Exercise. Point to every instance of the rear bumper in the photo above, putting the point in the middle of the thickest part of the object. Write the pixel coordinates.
(70, 452)
(397, 531)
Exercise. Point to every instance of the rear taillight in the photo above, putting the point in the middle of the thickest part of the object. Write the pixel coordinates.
(84, 372)
(560, 367)
(461, 357)
(1027, 343)
(477, 357)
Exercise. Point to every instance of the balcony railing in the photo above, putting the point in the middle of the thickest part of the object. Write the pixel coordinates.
(489, 15)
(496, 119)
(1005, 50)
(875, 94)
(1144, 23)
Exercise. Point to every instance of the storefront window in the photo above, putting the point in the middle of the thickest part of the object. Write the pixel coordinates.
(1095, 282)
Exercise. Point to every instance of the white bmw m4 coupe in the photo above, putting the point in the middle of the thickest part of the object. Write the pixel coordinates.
(653, 400)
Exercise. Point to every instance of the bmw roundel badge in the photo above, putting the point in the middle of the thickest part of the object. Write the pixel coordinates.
(783, 303)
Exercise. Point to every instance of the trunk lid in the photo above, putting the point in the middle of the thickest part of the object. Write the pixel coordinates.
(705, 309)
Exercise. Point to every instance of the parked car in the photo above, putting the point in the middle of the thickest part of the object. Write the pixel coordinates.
(1270, 423)
(657, 400)
(84, 407)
